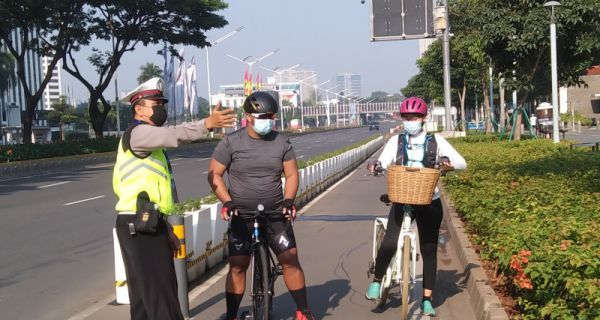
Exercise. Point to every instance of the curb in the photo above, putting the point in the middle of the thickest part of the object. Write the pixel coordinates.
(484, 301)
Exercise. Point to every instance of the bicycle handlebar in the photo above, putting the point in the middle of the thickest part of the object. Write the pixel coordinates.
(260, 212)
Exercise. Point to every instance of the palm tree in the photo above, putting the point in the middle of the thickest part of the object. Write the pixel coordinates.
(8, 77)
(149, 71)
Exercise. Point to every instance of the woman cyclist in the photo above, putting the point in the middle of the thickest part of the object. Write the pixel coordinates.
(415, 148)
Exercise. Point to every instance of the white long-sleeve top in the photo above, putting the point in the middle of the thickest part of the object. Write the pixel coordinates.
(416, 153)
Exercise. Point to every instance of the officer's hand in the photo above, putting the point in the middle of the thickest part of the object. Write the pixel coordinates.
(174, 243)
(220, 118)
(227, 210)
(289, 209)
(385, 198)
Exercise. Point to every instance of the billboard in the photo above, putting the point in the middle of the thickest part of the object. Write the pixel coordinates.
(402, 19)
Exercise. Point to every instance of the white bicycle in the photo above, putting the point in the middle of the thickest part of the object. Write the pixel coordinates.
(402, 268)
(404, 262)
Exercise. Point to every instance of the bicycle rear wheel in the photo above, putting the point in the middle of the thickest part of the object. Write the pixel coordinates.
(261, 300)
(405, 276)
(385, 290)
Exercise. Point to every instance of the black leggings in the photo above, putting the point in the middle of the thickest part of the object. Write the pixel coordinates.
(429, 219)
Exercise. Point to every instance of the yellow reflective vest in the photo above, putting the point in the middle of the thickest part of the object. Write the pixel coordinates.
(133, 175)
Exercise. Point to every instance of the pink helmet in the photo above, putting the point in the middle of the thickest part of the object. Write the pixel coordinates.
(413, 105)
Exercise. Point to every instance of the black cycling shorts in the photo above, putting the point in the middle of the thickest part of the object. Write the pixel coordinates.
(278, 233)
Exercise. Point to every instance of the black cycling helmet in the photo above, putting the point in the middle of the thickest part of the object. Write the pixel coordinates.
(260, 102)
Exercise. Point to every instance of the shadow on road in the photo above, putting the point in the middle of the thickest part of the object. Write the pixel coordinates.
(322, 299)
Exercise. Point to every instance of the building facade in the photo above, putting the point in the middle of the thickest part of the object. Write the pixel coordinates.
(54, 88)
(584, 100)
(15, 101)
(350, 84)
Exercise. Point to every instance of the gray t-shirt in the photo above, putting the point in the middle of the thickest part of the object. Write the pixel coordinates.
(254, 167)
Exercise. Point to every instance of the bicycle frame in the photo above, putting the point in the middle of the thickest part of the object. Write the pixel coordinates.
(257, 240)
(393, 274)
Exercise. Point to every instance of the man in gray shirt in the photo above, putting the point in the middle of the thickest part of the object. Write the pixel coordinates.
(142, 181)
(255, 158)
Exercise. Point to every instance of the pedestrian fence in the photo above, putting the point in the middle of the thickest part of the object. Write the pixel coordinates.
(205, 233)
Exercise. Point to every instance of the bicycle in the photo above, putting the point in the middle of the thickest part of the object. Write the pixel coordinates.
(264, 270)
(404, 261)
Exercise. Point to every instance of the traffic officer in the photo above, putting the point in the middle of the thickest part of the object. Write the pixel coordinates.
(143, 183)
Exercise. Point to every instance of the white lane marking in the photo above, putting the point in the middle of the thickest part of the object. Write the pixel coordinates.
(93, 308)
(208, 283)
(202, 159)
(53, 184)
(205, 172)
(175, 159)
(100, 166)
(317, 141)
(84, 200)
(299, 157)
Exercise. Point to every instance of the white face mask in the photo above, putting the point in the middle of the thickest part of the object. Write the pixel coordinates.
(263, 126)
(413, 127)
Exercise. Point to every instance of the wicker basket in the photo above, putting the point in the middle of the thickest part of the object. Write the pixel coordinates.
(411, 185)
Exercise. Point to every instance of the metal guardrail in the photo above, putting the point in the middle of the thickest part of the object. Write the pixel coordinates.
(594, 145)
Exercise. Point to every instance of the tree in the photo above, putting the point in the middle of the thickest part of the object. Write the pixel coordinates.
(149, 71)
(45, 27)
(130, 23)
(62, 113)
(510, 35)
(8, 77)
(515, 35)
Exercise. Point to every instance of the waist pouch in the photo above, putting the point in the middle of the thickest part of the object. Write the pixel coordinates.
(147, 215)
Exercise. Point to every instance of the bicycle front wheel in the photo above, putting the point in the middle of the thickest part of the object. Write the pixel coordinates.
(261, 300)
(385, 289)
(405, 276)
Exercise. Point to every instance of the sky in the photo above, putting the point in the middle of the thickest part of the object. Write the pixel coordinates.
(327, 36)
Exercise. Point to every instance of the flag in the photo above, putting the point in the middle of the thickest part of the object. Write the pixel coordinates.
(170, 89)
(247, 83)
(180, 107)
(164, 53)
(258, 82)
(191, 87)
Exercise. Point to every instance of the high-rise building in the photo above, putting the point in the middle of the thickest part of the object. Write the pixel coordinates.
(14, 98)
(54, 89)
(350, 84)
(424, 45)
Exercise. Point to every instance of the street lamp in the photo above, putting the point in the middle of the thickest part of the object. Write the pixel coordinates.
(219, 40)
(247, 59)
(317, 102)
(302, 101)
(555, 133)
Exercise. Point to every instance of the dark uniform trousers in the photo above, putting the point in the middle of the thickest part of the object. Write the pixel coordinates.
(150, 272)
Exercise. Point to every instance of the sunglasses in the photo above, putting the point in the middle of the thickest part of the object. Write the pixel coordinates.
(263, 115)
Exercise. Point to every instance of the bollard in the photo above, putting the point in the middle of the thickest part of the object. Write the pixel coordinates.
(180, 265)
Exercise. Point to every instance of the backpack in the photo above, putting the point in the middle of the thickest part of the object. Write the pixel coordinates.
(430, 157)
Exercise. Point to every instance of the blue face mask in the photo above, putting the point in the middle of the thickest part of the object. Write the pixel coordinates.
(413, 127)
(263, 126)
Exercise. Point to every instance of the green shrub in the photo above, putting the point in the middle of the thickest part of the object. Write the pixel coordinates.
(568, 118)
(20, 152)
(534, 209)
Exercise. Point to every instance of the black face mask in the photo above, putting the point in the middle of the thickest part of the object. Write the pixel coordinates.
(159, 115)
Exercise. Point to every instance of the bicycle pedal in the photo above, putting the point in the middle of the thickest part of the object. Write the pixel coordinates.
(247, 315)
(279, 269)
